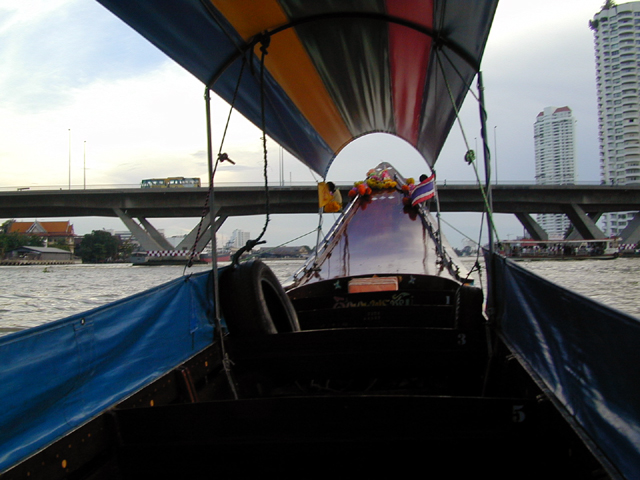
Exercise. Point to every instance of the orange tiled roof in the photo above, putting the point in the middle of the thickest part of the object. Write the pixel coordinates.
(52, 228)
(20, 227)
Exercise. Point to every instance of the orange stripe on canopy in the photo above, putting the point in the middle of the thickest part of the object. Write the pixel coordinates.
(286, 55)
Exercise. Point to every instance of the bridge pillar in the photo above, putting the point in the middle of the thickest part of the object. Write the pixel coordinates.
(146, 241)
(631, 233)
(188, 241)
(204, 239)
(574, 234)
(155, 234)
(582, 222)
(534, 229)
(205, 234)
(219, 221)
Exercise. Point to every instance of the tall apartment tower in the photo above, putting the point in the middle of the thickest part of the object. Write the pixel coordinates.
(239, 238)
(555, 148)
(616, 30)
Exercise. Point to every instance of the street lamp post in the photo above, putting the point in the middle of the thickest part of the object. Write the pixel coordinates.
(69, 159)
(495, 150)
(85, 165)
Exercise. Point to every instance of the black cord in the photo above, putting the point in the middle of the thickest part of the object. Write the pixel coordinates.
(265, 40)
(221, 157)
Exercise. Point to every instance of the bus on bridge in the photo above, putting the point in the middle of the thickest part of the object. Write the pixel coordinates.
(170, 182)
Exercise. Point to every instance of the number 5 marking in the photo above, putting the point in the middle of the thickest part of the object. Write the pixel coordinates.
(517, 414)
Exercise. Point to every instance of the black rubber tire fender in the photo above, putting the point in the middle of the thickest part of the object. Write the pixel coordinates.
(253, 301)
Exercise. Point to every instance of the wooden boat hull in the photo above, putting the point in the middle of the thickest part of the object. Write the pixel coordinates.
(323, 401)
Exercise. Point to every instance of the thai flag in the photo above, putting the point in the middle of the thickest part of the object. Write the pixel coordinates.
(424, 191)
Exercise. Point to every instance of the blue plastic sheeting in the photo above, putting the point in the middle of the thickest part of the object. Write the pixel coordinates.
(58, 376)
(586, 353)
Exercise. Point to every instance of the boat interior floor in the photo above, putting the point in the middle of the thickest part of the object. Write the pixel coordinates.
(433, 401)
(332, 402)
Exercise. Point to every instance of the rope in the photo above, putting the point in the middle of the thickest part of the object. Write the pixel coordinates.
(469, 158)
(470, 155)
(289, 241)
(468, 85)
(461, 233)
(223, 156)
(453, 103)
(226, 362)
(437, 197)
(265, 40)
(318, 230)
(220, 158)
(476, 266)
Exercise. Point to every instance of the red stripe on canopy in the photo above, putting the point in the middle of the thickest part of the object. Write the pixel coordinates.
(409, 58)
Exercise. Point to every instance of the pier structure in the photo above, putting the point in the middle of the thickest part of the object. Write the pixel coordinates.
(583, 204)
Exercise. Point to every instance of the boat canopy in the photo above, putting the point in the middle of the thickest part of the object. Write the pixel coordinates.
(334, 70)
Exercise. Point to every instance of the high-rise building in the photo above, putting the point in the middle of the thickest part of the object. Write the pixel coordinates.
(239, 238)
(555, 148)
(616, 30)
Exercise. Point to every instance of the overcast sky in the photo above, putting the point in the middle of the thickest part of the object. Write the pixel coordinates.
(75, 79)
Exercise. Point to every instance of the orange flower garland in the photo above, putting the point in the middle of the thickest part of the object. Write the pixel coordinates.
(375, 181)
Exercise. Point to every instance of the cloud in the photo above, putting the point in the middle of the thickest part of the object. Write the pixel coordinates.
(48, 49)
(148, 125)
(541, 54)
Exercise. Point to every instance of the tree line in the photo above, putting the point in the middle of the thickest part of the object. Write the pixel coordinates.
(100, 246)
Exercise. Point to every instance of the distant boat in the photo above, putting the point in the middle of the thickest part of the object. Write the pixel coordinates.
(163, 257)
(525, 249)
(221, 257)
(629, 250)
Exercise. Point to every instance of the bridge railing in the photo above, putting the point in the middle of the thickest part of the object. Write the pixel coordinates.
(342, 184)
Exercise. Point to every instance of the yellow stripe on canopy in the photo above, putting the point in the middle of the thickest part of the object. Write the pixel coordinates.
(285, 55)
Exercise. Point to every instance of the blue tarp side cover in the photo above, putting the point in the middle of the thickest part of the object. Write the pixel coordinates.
(57, 376)
(586, 353)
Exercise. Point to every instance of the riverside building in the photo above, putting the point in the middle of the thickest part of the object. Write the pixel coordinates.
(616, 30)
(239, 238)
(555, 153)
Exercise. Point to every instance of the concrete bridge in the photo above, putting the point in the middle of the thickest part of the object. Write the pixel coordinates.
(581, 203)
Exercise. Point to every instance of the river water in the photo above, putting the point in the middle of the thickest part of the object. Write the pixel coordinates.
(32, 295)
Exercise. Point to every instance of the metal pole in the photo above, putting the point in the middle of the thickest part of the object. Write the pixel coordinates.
(214, 254)
(281, 166)
(85, 165)
(212, 229)
(491, 258)
(495, 150)
(487, 159)
(69, 159)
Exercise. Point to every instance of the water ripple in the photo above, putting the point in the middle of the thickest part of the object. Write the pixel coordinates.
(31, 296)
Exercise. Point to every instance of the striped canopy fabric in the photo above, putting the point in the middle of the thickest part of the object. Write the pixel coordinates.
(334, 70)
